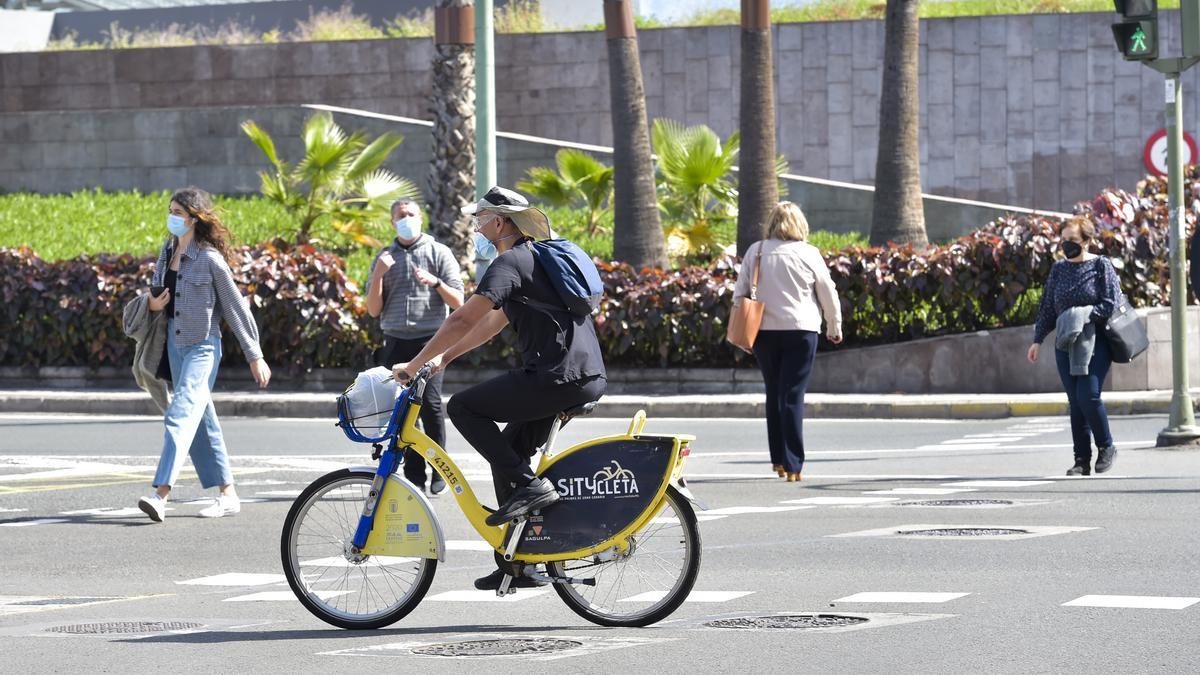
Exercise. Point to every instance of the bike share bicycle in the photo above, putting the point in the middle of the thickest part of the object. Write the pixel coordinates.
(360, 546)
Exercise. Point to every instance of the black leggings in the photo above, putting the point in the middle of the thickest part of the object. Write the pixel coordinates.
(529, 406)
(433, 415)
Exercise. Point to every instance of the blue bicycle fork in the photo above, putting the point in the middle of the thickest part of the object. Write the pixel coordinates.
(389, 462)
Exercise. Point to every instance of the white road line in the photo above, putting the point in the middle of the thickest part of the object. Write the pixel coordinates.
(13, 510)
(840, 501)
(484, 596)
(235, 579)
(901, 596)
(1030, 531)
(919, 491)
(468, 545)
(739, 510)
(1132, 602)
(39, 521)
(282, 596)
(998, 483)
(997, 437)
(961, 446)
(694, 596)
(339, 561)
(966, 440)
(112, 512)
(280, 493)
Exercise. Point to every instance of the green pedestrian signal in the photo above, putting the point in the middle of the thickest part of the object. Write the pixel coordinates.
(1137, 31)
(1139, 41)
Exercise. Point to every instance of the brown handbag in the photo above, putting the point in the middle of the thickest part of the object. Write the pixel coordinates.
(747, 314)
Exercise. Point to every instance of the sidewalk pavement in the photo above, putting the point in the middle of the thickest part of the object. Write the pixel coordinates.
(852, 406)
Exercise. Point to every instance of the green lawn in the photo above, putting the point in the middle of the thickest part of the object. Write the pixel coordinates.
(65, 226)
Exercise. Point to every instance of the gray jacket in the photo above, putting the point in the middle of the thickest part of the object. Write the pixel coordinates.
(204, 294)
(149, 330)
(1076, 334)
(411, 309)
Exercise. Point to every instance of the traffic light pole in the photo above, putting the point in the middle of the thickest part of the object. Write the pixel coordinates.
(1181, 427)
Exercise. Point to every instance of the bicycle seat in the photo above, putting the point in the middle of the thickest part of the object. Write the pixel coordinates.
(577, 411)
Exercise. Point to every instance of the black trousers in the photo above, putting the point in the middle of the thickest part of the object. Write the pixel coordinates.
(786, 360)
(433, 414)
(529, 406)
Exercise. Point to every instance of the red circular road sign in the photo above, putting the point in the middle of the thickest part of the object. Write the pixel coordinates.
(1155, 153)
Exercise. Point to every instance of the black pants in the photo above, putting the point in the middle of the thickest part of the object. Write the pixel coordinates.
(786, 360)
(1089, 417)
(433, 415)
(529, 406)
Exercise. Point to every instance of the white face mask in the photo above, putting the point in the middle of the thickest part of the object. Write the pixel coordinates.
(408, 227)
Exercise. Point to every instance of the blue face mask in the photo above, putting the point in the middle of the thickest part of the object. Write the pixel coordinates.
(177, 225)
(408, 227)
(486, 248)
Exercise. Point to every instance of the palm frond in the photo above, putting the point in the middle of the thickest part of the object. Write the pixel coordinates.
(548, 186)
(263, 140)
(373, 155)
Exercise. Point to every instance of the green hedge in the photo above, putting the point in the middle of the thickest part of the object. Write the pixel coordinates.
(68, 312)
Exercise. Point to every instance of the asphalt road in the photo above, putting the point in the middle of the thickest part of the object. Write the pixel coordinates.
(72, 553)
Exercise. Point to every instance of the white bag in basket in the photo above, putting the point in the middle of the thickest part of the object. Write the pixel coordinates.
(371, 399)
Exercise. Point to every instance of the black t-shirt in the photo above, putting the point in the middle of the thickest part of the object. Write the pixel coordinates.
(557, 345)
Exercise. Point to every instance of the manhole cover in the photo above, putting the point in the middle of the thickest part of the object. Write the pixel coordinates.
(964, 532)
(502, 647)
(58, 601)
(959, 502)
(124, 627)
(793, 621)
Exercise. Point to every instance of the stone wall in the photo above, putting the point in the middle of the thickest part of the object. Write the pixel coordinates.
(1035, 111)
(164, 149)
(993, 362)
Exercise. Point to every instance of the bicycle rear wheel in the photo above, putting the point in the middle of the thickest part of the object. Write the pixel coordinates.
(337, 586)
(648, 582)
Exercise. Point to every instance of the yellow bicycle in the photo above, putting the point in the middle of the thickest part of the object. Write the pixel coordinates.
(621, 547)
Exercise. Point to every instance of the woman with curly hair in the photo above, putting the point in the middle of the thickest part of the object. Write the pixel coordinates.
(198, 290)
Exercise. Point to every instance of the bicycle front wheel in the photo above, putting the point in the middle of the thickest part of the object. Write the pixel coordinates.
(339, 587)
(646, 583)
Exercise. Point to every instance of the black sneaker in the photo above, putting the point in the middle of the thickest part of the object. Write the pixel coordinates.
(537, 494)
(1104, 460)
(1081, 468)
(437, 485)
(492, 582)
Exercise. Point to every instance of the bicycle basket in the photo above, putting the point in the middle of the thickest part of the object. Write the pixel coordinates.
(365, 409)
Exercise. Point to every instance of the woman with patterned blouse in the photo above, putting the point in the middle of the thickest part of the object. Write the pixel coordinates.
(1081, 280)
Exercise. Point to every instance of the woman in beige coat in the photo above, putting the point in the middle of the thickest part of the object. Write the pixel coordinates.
(797, 291)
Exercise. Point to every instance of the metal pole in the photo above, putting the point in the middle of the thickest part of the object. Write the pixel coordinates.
(485, 109)
(1181, 427)
(485, 99)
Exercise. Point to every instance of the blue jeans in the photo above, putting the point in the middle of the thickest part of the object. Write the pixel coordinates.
(191, 421)
(1088, 416)
(786, 360)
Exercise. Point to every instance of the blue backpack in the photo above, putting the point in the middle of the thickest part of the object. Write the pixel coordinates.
(573, 275)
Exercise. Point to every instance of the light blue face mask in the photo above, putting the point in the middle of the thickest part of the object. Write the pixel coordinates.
(486, 248)
(177, 225)
(408, 227)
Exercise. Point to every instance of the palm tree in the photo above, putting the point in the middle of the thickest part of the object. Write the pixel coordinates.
(338, 182)
(452, 172)
(695, 183)
(757, 184)
(580, 180)
(898, 216)
(637, 232)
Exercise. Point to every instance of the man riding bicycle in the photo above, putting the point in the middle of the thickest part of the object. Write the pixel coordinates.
(560, 355)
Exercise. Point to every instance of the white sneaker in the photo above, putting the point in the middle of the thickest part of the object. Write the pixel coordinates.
(223, 505)
(153, 506)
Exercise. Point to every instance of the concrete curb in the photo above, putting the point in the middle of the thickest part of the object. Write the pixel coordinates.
(318, 405)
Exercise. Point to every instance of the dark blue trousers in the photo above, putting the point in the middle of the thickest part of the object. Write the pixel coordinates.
(786, 360)
(1088, 416)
